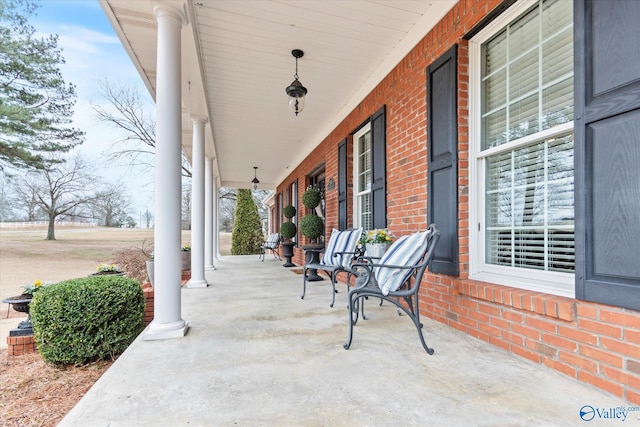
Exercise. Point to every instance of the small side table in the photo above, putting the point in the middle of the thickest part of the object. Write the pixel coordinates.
(312, 256)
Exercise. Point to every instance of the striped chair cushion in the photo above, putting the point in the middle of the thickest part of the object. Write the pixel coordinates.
(272, 241)
(405, 251)
(341, 241)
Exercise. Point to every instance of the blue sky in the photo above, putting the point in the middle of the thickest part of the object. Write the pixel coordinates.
(93, 52)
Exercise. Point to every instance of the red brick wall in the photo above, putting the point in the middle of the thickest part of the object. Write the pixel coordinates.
(594, 343)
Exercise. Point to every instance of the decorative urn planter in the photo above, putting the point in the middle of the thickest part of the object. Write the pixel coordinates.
(312, 256)
(287, 253)
(105, 269)
(21, 304)
(108, 273)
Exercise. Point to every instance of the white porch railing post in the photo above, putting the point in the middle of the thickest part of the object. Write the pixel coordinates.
(167, 321)
(197, 205)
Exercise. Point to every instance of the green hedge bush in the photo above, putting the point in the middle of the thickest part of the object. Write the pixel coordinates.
(81, 320)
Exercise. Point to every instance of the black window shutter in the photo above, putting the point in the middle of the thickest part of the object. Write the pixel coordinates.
(379, 168)
(342, 185)
(442, 139)
(607, 151)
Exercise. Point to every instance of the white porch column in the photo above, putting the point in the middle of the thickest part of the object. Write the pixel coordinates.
(208, 215)
(167, 321)
(216, 221)
(197, 205)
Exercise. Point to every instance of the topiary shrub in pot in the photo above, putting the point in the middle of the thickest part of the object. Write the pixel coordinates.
(288, 228)
(311, 197)
(312, 227)
(91, 318)
(288, 231)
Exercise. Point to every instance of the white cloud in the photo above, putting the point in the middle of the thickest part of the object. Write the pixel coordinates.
(84, 41)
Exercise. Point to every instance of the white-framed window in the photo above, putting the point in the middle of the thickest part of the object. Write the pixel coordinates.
(363, 215)
(521, 146)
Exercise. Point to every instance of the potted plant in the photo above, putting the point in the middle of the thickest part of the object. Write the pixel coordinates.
(185, 258)
(288, 231)
(105, 269)
(21, 304)
(376, 241)
(147, 250)
(311, 225)
(311, 197)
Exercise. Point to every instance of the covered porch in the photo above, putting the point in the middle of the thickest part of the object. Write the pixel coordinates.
(395, 94)
(256, 354)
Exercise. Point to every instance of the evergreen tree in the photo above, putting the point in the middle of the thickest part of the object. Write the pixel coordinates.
(36, 105)
(247, 236)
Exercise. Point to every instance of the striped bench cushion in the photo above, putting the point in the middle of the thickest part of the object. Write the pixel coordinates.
(405, 251)
(272, 241)
(341, 241)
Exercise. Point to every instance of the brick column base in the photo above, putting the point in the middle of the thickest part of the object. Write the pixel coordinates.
(17, 346)
(148, 303)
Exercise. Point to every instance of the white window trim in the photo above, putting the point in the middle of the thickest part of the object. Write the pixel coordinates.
(555, 283)
(356, 171)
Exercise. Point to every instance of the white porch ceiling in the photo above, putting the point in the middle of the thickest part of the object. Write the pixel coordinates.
(237, 61)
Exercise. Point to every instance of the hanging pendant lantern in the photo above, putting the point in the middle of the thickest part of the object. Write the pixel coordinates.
(255, 181)
(296, 90)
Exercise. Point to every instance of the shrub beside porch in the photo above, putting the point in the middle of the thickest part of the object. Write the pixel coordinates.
(17, 346)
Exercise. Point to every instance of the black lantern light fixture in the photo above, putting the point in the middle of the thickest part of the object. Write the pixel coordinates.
(295, 90)
(255, 179)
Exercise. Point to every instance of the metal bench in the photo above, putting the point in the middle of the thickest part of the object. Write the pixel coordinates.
(271, 244)
(395, 278)
(337, 257)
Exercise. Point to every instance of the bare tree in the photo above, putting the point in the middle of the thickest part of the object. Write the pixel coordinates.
(111, 206)
(147, 217)
(227, 208)
(60, 190)
(126, 111)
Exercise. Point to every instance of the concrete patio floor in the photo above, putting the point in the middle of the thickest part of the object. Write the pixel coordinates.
(258, 355)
